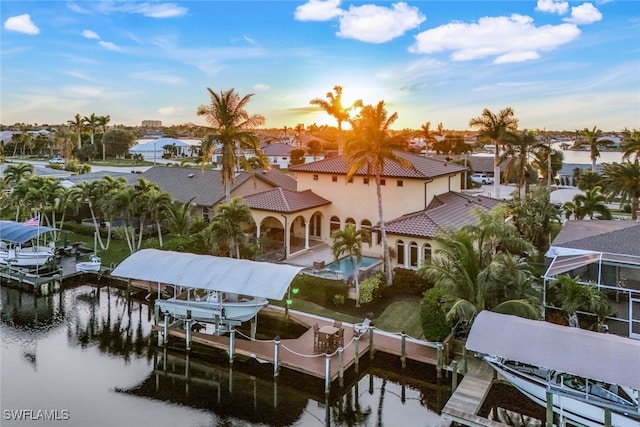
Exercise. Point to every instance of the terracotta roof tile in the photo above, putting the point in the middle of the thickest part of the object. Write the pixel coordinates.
(285, 200)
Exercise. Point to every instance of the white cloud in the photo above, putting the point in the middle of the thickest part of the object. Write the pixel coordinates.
(318, 10)
(110, 46)
(160, 10)
(376, 24)
(159, 77)
(509, 39)
(21, 24)
(170, 111)
(584, 14)
(552, 6)
(261, 86)
(84, 91)
(90, 34)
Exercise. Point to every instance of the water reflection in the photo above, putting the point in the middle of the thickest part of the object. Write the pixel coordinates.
(91, 351)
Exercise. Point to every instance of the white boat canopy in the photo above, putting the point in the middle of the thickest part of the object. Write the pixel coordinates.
(598, 356)
(239, 276)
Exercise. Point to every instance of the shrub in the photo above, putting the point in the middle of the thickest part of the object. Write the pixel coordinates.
(433, 318)
(410, 282)
(318, 290)
(370, 288)
(338, 299)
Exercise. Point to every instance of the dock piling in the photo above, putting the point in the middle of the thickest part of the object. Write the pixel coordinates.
(439, 360)
(372, 349)
(403, 350)
(340, 366)
(276, 355)
(187, 324)
(232, 342)
(454, 375)
(356, 346)
(327, 372)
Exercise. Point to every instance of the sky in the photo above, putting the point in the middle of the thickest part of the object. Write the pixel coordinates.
(559, 65)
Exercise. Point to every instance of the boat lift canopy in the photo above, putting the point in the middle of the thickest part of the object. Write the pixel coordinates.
(240, 276)
(595, 355)
(17, 232)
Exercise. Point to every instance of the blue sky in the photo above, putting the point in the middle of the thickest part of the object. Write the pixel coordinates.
(559, 65)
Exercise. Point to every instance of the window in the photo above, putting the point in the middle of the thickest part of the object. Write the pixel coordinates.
(413, 254)
(334, 178)
(350, 221)
(383, 181)
(400, 252)
(365, 180)
(315, 177)
(426, 253)
(400, 183)
(334, 224)
(350, 180)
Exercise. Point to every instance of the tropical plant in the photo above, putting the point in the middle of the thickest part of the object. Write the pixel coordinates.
(371, 148)
(587, 180)
(349, 241)
(541, 162)
(623, 179)
(103, 122)
(229, 125)
(429, 135)
(226, 229)
(479, 267)
(592, 139)
(519, 147)
(493, 127)
(333, 106)
(92, 123)
(588, 204)
(433, 317)
(77, 125)
(631, 144)
(180, 219)
(533, 216)
(572, 296)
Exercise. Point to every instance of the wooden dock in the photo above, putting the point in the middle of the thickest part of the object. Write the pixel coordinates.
(466, 401)
(299, 355)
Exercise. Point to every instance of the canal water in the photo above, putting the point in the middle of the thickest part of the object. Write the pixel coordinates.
(84, 356)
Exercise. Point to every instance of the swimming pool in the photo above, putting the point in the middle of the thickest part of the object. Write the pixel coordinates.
(343, 265)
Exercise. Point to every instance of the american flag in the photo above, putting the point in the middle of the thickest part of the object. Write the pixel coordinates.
(33, 221)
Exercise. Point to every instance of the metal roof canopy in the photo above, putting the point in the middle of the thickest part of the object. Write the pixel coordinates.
(17, 232)
(571, 260)
(604, 357)
(240, 276)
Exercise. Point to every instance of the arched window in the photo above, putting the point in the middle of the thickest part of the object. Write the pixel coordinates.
(413, 254)
(400, 252)
(334, 224)
(365, 224)
(350, 221)
(426, 253)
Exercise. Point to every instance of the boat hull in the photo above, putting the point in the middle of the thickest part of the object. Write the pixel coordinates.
(91, 266)
(575, 409)
(25, 257)
(212, 311)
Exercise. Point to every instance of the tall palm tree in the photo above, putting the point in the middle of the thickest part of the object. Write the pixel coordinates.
(429, 135)
(623, 179)
(230, 126)
(493, 127)
(333, 106)
(520, 145)
(91, 122)
(591, 139)
(541, 162)
(588, 204)
(349, 241)
(14, 174)
(77, 125)
(103, 122)
(371, 148)
(631, 144)
(226, 225)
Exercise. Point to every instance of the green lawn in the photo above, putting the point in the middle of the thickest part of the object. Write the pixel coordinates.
(401, 316)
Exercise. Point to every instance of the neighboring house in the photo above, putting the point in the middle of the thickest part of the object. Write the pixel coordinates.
(606, 253)
(279, 154)
(73, 180)
(153, 149)
(567, 173)
(205, 185)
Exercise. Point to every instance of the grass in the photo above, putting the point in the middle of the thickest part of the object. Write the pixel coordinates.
(401, 316)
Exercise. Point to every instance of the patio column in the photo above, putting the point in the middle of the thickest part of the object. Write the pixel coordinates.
(407, 255)
(306, 234)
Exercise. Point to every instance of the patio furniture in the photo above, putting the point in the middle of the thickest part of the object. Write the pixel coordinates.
(361, 328)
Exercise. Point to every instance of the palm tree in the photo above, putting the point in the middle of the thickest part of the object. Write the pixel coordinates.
(592, 202)
(371, 148)
(159, 203)
(103, 122)
(631, 144)
(429, 135)
(493, 128)
(226, 225)
(180, 219)
(623, 179)
(349, 241)
(230, 124)
(15, 174)
(519, 146)
(591, 140)
(77, 124)
(572, 296)
(333, 106)
(92, 122)
(541, 162)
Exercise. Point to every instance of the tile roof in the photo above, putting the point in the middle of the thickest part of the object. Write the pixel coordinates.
(206, 184)
(285, 200)
(614, 237)
(448, 210)
(421, 168)
(277, 149)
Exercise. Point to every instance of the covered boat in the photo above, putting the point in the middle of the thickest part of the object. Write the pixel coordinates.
(209, 288)
(589, 377)
(19, 245)
(92, 266)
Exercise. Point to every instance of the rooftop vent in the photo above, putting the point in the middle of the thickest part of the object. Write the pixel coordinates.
(191, 175)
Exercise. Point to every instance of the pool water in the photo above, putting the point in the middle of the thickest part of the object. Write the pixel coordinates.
(343, 265)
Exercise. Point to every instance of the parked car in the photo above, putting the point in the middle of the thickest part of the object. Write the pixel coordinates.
(481, 178)
(56, 161)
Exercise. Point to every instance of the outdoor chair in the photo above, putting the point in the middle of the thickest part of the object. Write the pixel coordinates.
(361, 328)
